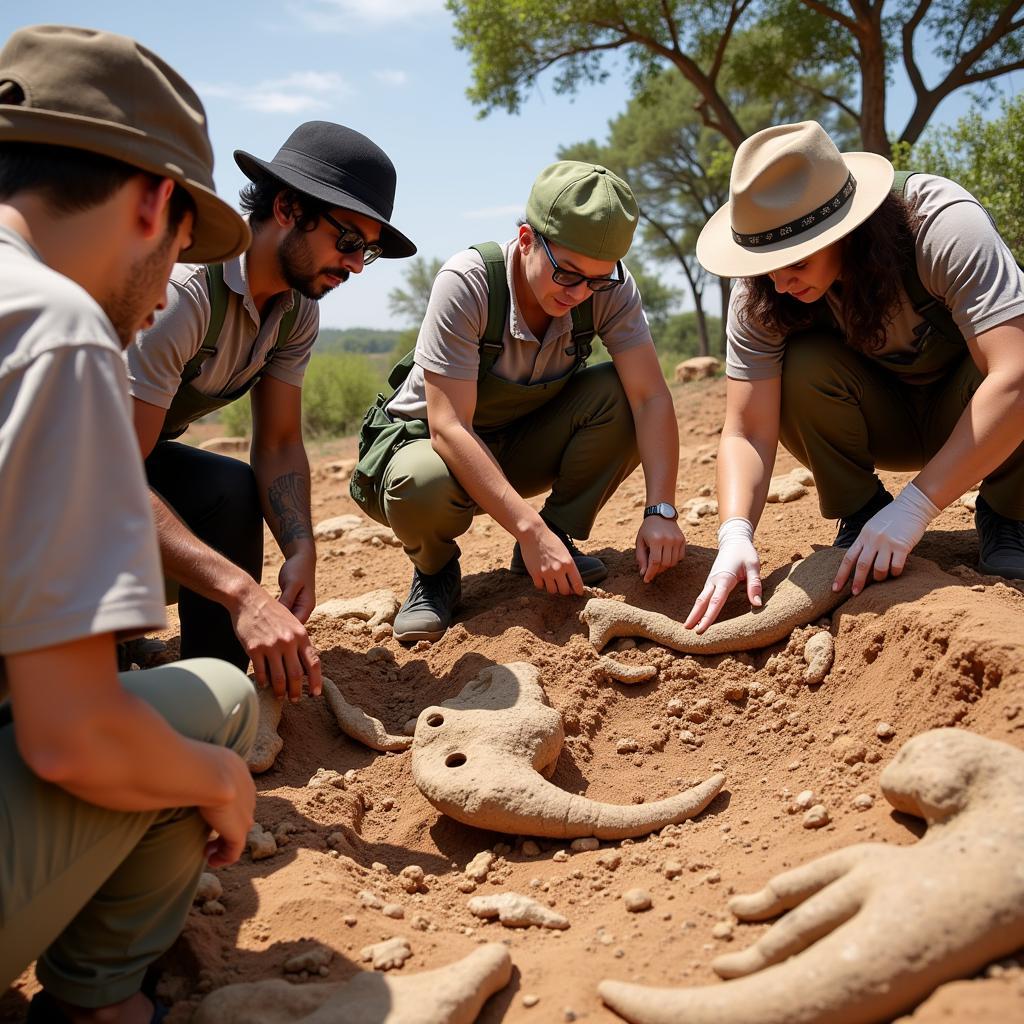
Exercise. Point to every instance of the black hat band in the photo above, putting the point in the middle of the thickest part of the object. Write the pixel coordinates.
(801, 224)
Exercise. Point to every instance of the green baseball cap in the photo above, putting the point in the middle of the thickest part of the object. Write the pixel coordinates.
(105, 93)
(585, 207)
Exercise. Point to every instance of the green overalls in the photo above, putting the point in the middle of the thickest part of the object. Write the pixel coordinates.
(581, 446)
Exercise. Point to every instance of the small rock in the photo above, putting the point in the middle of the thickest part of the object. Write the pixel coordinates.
(816, 817)
(672, 869)
(393, 910)
(479, 866)
(213, 907)
(311, 960)
(637, 900)
(675, 707)
(722, 931)
(387, 954)
(884, 731)
(804, 800)
(585, 845)
(626, 746)
(785, 488)
(848, 750)
(515, 911)
(863, 802)
(735, 691)
(260, 842)
(531, 849)
(819, 654)
(411, 879)
(209, 888)
(370, 899)
(530, 1000)
(610, 859)
(560, 856)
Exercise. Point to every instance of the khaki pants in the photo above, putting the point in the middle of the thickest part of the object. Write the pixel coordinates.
(97, 895)
(843, 415)
(581, 445)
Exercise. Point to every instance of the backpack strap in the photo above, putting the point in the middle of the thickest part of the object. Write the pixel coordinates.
(492, 342)
(582, 331)
(926, 306)
(218, 292)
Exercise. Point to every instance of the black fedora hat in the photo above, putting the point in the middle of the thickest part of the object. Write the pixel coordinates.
(338, 166)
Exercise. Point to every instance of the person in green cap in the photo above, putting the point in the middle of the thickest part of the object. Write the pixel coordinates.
(496, 404)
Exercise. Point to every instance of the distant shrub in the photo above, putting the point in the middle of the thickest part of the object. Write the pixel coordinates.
(337, 390)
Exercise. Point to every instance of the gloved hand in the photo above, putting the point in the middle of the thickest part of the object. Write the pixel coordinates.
(737, 560)
(887, 538)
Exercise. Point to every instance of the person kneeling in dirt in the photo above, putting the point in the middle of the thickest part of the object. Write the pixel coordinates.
(496, 404)
(319, 212)
(880, 322)
(111, 784)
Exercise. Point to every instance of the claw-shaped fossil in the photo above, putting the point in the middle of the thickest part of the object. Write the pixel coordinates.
(359, 725)
(449, 995)
(873, 929)
(484, 756)
(794, 595)
(374, 608)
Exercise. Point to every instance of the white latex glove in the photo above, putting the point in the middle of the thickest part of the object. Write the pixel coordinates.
(737, 560)
(887, 538)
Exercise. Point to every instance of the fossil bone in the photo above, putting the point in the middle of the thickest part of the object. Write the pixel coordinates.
(373, 608)
(268, 743)
(794, 595)
(873, 928)
(624, 672)
(454, 994)
(359, 725)
(484, 756)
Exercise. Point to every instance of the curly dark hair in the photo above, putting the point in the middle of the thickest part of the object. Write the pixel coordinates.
(257, 200)
(872, 258)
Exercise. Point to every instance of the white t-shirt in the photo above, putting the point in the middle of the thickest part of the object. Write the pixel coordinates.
(77, 542)
(449, 339)
(961, 259)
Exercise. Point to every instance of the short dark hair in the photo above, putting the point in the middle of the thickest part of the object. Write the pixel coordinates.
(75, 180)
(258, 196)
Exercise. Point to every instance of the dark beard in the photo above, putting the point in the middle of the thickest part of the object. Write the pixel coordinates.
(296, 265)
(125, 308)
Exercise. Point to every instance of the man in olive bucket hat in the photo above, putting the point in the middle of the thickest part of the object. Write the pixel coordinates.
(496, 404)
(319, 211)
(112, 784)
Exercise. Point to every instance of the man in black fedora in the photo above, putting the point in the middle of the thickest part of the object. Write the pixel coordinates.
(318, 211)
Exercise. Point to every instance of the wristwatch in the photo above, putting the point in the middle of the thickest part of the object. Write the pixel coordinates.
(663, 509)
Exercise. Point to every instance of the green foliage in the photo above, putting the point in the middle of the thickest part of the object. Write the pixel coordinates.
(337, 390)
(986, 157)
(237, 418)
(410, 303)
(367, 340)
(679, 339)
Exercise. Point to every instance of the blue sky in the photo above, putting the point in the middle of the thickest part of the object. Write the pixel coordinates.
(387, 68)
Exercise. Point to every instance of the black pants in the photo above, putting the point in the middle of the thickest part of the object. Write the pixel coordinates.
(217, 498)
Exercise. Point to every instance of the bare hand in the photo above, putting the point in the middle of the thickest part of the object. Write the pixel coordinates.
(297, 580)
(660, 544)
(281, 651)
(549, 563)
(737, 560)
(231, 821)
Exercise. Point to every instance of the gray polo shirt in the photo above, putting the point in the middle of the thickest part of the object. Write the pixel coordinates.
(157, 357)
(77, 542)
(449, 339)
(962, 261)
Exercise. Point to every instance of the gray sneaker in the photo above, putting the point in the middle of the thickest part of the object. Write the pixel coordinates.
(427, 611)
(592, 570)
(1000, 542)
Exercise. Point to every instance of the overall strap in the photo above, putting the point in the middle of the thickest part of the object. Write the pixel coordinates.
(492, 343)
(926, 306)
(582, 331)
(218, 292)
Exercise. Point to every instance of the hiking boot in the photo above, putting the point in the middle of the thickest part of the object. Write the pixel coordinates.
(592, 570)
(850, 527)
(1000, 542)
(427, 611)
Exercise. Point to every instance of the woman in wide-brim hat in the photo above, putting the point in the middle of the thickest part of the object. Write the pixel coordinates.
(827, 352)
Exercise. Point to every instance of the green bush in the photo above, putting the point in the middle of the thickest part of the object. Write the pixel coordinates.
(337, 390)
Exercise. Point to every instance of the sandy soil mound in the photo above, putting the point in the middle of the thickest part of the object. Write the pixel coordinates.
(941, 646)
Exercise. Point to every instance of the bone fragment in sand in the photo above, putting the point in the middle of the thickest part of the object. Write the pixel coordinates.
(449, 995)
(483, 758)
(794, 595)
(622, 672)
(873, 929)
(267, 744)
(373, 608)
(359, 725)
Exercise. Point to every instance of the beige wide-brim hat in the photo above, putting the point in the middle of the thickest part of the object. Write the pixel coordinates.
(105, 93)
(791, 194)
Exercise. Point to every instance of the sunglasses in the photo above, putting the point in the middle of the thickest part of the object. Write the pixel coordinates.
(349, 241)
(570, 278)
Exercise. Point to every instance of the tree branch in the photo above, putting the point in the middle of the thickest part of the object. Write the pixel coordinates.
(909, 28)
(826, 12)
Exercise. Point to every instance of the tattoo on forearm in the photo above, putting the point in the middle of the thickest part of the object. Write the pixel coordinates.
(289, 500)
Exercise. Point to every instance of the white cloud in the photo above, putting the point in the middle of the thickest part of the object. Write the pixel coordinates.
(487, 212)
(297, 93)
(392, 77)
(338, 15)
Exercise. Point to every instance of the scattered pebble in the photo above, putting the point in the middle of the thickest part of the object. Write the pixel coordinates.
(848, 750)
(637, 900)
(387, 954)
(209, 888)
(531, 849)
(863, 802)
(819, 654)
(530, 1000)
(516, 911)
(722, 931)
(627, 746)
(884, 731)
(393, 910)
(610, 859)
(311, 960)
(585, 845)
(816, 817)
(560, 856)
(479, 866)
(260, 842)
(411, 879)
(672, 869)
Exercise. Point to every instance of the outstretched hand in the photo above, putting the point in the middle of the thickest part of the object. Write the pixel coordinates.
(737, 560)
(660, 544)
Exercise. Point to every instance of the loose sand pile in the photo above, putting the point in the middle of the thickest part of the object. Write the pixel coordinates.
(362, 857)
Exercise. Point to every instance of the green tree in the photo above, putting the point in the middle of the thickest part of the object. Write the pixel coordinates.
(511, 42)
(986, 157)
(410, 303)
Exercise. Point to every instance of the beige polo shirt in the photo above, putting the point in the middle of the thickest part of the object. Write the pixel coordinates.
(78, 548)
(961, 259)
(449, 339)
(157, 357)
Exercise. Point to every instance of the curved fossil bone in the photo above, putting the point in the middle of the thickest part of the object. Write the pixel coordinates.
(483, 758)
(454, 994)
(355, 722)
(794, 595)
(873, 929)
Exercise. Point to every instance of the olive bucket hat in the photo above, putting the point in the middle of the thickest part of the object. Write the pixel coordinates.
(105, 93)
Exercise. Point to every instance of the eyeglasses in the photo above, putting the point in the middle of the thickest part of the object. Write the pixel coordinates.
(570, 278)
(349, 241)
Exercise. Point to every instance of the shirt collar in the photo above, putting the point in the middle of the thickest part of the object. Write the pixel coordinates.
(559, 325)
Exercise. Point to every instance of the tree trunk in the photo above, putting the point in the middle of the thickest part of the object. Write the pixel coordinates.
(698, 305)
(872, 84)
(725, 288)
